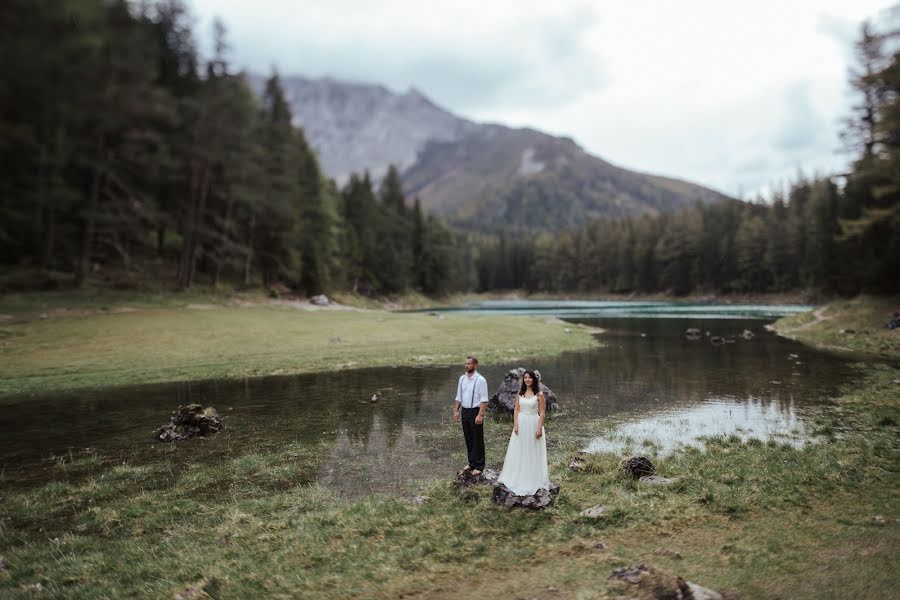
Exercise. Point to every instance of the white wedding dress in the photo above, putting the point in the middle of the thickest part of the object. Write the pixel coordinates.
(525, 466)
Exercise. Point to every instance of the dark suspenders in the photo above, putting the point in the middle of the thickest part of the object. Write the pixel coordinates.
(474, 383)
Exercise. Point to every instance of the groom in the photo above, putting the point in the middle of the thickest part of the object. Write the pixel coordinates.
(471, 402)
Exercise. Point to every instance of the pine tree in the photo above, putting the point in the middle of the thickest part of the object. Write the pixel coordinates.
(750, 250)
(360, 217)
(394, 237)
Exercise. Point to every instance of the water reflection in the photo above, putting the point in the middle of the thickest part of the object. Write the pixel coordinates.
(647, 376)
(671, 430)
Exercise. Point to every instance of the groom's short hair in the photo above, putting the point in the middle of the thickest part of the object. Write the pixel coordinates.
(472, 358)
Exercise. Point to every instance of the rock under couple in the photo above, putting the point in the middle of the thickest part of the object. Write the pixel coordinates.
(525, 466)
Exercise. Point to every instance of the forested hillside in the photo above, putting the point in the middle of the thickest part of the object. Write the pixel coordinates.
(125, 156)
(128, 158)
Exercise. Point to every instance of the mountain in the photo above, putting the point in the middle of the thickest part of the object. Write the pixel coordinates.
(357, 126)
(478, 176)
(528, 179)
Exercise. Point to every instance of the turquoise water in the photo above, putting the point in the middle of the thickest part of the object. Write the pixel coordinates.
(623, 309)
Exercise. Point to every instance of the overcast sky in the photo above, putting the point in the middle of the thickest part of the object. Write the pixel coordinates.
(736, 96)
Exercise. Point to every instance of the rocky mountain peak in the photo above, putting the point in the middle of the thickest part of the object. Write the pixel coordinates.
(476, 175)
(359, 126)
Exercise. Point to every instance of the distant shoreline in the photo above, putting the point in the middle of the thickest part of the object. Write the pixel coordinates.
(762, 299)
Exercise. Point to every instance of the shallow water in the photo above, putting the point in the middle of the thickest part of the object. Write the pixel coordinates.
(660, 387)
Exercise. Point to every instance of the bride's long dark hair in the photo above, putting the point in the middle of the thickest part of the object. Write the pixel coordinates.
(535, 383)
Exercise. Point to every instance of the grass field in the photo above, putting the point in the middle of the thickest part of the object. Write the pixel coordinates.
(857, 324)
(121, 341)
(751, 519)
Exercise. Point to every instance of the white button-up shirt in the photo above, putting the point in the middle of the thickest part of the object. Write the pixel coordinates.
(471, 391)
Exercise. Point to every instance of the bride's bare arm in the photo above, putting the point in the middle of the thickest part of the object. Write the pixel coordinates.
(542, 407)
(516, 417)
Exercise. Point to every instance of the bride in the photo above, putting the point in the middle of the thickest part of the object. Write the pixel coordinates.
(525, 466)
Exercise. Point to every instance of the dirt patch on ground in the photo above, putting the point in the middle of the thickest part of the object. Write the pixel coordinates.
(818, 317)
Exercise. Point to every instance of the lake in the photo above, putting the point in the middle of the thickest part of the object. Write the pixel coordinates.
(661, 390)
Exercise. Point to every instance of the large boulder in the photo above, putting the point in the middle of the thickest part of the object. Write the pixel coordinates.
(189, 421)
(539, 500)
(320, 300)
(505, 398)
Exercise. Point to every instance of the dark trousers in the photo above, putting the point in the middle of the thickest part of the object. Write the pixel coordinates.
(474, 435)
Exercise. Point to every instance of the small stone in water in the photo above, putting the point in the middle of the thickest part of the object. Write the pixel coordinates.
(188, 421)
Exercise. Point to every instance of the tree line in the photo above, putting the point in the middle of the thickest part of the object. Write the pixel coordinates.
(123, 151)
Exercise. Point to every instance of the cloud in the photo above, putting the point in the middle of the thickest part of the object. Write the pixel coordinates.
(464, 55)
(736, 96)
(841, 30)
(802, 126)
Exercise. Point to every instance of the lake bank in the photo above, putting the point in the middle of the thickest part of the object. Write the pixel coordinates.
(857, 324)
